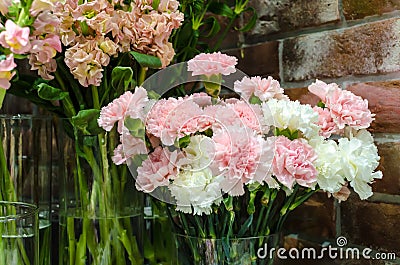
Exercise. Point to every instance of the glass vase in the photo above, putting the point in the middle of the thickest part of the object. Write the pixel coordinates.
(26, 175)
(233, 251)
(101, 213)
(19, 241)
(159, 246)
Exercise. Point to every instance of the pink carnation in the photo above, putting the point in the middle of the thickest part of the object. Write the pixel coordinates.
(157, 170)
(202, 99)
(322, 90)
(156, 120)
(263, 88)
(186, 119)
(221, 116)
(6, 71)
(130, 147)
(349, 109)
(250, 115)
(174, 118)
(15, 38)
(128, 104)
(293, 162)
(242, 157)
(326, 122)
(345, 107)
(212, 64)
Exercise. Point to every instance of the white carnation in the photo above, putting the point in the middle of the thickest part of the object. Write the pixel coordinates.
(196, 191)
(360, 158)
(328, 164)
(291, 114)
(199, 153)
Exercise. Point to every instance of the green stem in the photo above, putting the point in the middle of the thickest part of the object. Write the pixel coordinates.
(71, 239)
(71, 81)
(185, 225)
(230, 227)
(95, 97)
(224, 33)
(265, 230)
(68, 105)
(211, 229)
(199, 226)
(259, 219)
(142, 75)
(117, 176)
(286, 208)
(8, 190)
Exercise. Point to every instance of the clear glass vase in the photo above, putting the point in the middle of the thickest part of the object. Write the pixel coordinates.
(101, 213)
(19, 241)
(233, 251)
(26, 174)
(159, 246)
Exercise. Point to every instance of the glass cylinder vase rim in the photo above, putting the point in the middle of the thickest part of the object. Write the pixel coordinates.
(25, 117)
(31, 210)
(230, 238)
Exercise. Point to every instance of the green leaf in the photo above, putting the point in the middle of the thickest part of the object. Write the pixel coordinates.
(123, 237)
(228, 202)
(137, 160)
(321, 104)
(184, 141)
(222, 9)
(183, 36)
(146, 60)
(287, 133)
(155, 4)
(135, 127)
(86, 121)
(50, 93)
(24, 89)
(245, 226)
(121, 78)
(153, 95)
(80, 256)
(251, 207)
(89, 140)
(265, 199)
(208, 132)
(252, 21)
(2, 95)
(255, 100)
(214, 27)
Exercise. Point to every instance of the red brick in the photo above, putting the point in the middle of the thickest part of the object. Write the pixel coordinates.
(285, 15)
(358, 9)
(370, 224)
(390, 167)
(303, 95)
(372, 48)
(384, 101)
(262, 60)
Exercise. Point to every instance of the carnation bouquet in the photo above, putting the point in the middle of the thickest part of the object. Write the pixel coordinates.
(235, 167)
(74, 57)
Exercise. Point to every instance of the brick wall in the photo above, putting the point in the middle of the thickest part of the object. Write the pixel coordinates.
(355, 43)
